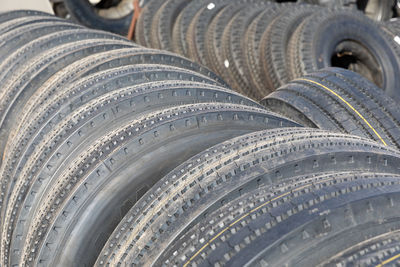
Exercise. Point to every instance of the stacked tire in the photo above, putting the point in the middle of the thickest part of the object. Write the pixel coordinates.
(83, 108)
(116, 16)
(258, 46)
(117, 154)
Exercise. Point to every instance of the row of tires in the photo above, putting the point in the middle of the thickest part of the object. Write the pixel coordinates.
(116, 15)
(258, 46)
(116, 154)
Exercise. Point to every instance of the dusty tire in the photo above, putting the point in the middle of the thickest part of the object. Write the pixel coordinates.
(228, 203)
(322, 41)
(213, 40)
(252, 46)
(18, 37)
(167, 134)
(48, 98)
(274, 46)
(233, 47)
(144, 23)
(12, 24)
(163, 23)
(11, 15)
(342, 101)
(43, 55)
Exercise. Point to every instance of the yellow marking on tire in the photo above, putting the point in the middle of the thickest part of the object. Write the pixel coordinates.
(388, 260)
(240, 219)
(349, 105)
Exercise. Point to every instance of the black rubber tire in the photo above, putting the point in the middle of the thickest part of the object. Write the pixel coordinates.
(104, 61)
(23, 21)
(49, 107)
(383, 249)
(287, 232)
(274, 44)
(14, 14)
(322, 37)
(196, 31)
(16, 38)
(163, 24)
(252, 42)
(213, 41)
(182, 23)
(39, 124)
(200, 213)
(16, 71)
(143, 25)
(342, 101)
(84, 13)
(48, 98)
(110, 161)
(233, 40)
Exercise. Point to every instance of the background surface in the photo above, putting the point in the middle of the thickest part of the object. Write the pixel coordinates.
(43, 5)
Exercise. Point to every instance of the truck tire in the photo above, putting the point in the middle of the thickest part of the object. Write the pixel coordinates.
(219, 206)
(342, 101)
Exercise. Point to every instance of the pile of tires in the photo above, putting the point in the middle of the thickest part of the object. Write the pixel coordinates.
(258, 46)
(117, 154)
(116, 15)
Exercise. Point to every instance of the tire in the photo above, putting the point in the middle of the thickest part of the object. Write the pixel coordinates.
(92, 64)
(321, 42)
(274, 44)
(214, 34)
(233, 47)
(23, 21)
(18, 37)
(252, 46)
(15, 14)
(182, 23)
(144, 23)
(196, 31)
(84, 13)
(157, 138)
(28, 150)
(19, 85)
(377, 250)
(392, 27)
(42, 107)
(218, 207)
(163, 23)
(342, 101)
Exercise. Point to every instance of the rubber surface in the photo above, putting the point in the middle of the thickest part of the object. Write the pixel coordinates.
(227, 204)
(323, 35)
(251, 48)
(14, 14)
(233, 47)
(16, 38)
(144, 23)
(182, 23)
(342, 101)
(117, 166)
(17, 80)
(196, 31)
(214, 34)
(274, 44)
(163, 23)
